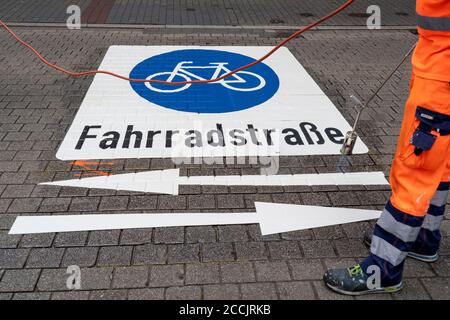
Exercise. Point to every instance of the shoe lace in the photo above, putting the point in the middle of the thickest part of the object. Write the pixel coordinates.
(355, 271)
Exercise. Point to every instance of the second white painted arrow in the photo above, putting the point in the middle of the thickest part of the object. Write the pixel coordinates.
(272, 218)
(167, 181)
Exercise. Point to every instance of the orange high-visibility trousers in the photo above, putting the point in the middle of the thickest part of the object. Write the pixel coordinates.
(415, 179)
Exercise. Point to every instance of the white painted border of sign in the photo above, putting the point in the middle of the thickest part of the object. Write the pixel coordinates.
(112, 104)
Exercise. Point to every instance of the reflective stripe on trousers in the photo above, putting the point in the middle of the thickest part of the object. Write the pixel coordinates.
(394, 234)
(433, 23)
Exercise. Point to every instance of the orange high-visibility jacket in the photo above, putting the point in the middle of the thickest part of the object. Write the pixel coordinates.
(431, 58)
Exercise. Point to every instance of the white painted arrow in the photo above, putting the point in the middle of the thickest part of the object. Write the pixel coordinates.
(272, 218)
(167, 181)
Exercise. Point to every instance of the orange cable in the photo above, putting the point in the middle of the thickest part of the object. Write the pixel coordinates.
(91, 72)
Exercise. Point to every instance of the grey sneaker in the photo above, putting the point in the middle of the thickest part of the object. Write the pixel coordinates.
(353, 281)
(418, 256)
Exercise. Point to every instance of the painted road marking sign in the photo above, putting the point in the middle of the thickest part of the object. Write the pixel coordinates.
(240, 91)
(167, 181)
(272, 218)
(274, 108)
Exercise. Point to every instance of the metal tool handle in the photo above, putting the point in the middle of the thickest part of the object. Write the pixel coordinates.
(364, 105)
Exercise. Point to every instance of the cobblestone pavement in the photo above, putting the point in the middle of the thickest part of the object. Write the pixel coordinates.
(227, 262)
(206, 12)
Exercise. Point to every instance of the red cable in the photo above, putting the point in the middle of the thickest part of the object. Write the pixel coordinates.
(86, 73)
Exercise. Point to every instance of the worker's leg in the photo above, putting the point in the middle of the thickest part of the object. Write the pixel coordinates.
(414, 181)
(415, 178)
(427, 244)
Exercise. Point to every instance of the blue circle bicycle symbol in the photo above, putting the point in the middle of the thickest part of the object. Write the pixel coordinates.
(242, 90)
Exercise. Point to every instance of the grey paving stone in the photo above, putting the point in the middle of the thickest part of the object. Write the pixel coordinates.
(150, 254)
(54, 205)
(315, 199)
(70, 239)
(19, 280)
(166, 275)
(83, 257)
(339, 262)
(236, 272)
(5, 296)
(183, 293)
(412, 290)
(332, 232)
(53, 280)
(169, 235)
(270, 189)
(114, 203)
(108, 295)
(45, 191)
(306, 269)
(258, 291)
(289, 198)
(183, 253)
(284, 250)
(143, 202)
(233, 233)
(171, 202)
(17, 191)
(202, 273)
(96, 278)
(438, 288)
(221, 292)
(25, 205)
(45, 258)
(201, 234)
(104, 238)
(272, 271)
(344, 199)
(13, 178)
(8, 241)
(4, 204)
(230, 201)
(356, 230)
(84, 204)
(442, 266)
(136, 236)
(13, 258)
(414, 268)
(114, 256)
(351, 248)
(130, 277)
(297, 290)
(215, 189)
(70, 295)
(37, 240)
(201, 202)
(146, 294)
(251, 251)
(6, 221)
(317, 248)
(32, 296)
(217, 252)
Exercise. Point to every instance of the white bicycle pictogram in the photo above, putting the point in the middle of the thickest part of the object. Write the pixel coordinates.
(181, 70)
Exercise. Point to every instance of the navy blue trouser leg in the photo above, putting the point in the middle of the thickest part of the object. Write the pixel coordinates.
(429, 238)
